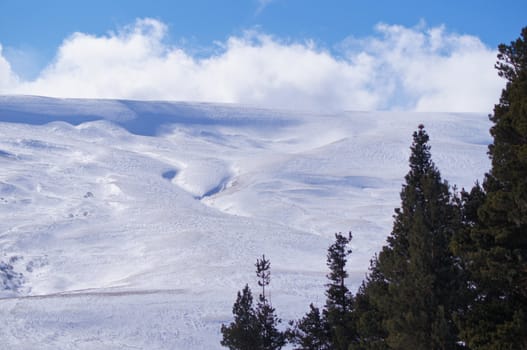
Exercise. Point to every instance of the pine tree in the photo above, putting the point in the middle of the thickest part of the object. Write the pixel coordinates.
(495, 248)
(254, 328)
(417, 268)
(244, 332)
(333, 329)
(271, 337)
(311, 332)
(339, 301)
(263, 272)
(367, 317)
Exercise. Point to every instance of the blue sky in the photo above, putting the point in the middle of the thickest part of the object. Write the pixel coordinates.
(40, 26)
(32, 33)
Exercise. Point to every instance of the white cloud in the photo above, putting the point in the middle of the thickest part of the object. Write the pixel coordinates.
(7, 78)
(398, 68)
(430, 69)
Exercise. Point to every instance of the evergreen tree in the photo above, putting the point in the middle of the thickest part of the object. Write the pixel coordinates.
(271, 337)
(416, 270)
(333, 329)
(254, 328)
(244, 332)
(495, 248)
(339, 301)
(368, 319)
(311, 332)
(263, 272)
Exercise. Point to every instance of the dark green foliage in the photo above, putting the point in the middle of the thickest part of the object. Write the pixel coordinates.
(333, 329)
(339, 301)
(311, 332)
(263, 272)
(271, 337)
(244, 332)
(254, 328)
(470, 204)
(368, 319)
(494, 245)
(417, 277)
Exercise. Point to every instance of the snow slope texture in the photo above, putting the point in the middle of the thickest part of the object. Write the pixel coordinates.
(131, 225)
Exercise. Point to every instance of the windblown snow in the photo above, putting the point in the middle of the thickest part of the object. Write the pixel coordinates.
(132, 225)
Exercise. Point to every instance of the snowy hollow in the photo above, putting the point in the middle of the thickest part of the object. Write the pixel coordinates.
(133, 224)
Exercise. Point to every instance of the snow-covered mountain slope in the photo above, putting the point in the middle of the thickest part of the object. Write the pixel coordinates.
(132, 225)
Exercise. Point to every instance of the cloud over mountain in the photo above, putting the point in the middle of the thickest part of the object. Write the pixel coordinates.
(419, 68)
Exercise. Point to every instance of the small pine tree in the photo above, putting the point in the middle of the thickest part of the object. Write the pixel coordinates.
(333, 328)
(254, 328)
(244, 332)
(311, 332)
(263, 272)
(272, 338)
(339, 301)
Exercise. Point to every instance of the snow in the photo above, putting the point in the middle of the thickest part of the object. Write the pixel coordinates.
(132, 225)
